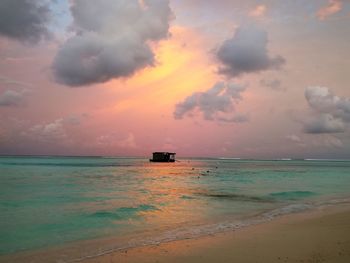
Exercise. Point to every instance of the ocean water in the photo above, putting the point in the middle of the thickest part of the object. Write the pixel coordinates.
(50, 201)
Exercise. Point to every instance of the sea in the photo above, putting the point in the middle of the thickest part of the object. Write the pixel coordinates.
(46, 202)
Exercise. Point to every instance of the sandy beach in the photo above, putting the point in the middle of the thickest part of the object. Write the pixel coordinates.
(321, 235)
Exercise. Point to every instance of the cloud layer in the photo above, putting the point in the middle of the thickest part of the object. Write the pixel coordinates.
(24, 20)
(111, 40)
(246, 52)
(332, 112)
(221, 98)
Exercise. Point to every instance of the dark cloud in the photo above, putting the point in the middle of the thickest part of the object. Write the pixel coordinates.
(246, 52)
(24, 20)
(221, 98)
(111, 40)
(89, 59)
(332, 113)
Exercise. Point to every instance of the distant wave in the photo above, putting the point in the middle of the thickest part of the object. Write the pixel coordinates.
(272, 197)
(236, 197)
(292, 195)
(123, 213)
(229, 158)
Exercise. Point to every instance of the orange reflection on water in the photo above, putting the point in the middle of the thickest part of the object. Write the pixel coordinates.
(172, 187)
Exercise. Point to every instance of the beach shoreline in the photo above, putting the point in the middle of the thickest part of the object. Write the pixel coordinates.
(318, 235)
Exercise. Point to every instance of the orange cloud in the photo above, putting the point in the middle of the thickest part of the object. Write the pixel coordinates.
(334, 6)
(258, 11)
(145, 103)
(183, 66)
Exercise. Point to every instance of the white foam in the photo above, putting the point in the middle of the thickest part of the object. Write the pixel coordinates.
(289, 209)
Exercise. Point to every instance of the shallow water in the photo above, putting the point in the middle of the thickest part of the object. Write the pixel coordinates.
(47, 201)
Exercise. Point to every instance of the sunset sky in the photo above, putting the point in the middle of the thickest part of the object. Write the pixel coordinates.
(226, 78)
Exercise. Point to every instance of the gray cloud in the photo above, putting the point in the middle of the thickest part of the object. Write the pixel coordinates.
(274, 84)
(332, 113)
(246, 52)
(11, 98)
(331, 141)
(238, 118)
(89, 59)
(323, 100)
(293, 138)
(111, 40)
(324, 123)
(221, 98)
(24, 20)
(75, 119)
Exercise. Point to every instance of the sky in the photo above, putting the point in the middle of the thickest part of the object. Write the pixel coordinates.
(242, 79)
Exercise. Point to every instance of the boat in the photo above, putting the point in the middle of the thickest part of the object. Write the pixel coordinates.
(163, 157)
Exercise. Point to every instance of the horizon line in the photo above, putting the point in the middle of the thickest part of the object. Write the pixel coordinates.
(185, 157)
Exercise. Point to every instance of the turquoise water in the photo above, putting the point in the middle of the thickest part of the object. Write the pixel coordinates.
(48, 201)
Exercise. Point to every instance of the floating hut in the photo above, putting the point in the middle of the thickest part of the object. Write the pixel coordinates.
(163, 157)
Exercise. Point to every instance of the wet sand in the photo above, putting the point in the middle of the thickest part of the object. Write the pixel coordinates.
(317, 236)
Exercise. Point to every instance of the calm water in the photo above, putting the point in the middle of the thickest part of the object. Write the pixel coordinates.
(50, 201)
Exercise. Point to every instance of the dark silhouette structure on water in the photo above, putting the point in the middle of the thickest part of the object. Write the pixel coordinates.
(163, 157)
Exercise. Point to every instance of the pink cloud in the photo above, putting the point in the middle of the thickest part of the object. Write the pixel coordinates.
(258, 11)
(128, 142)
(53, 131)
(333, 7)
(113, 140)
